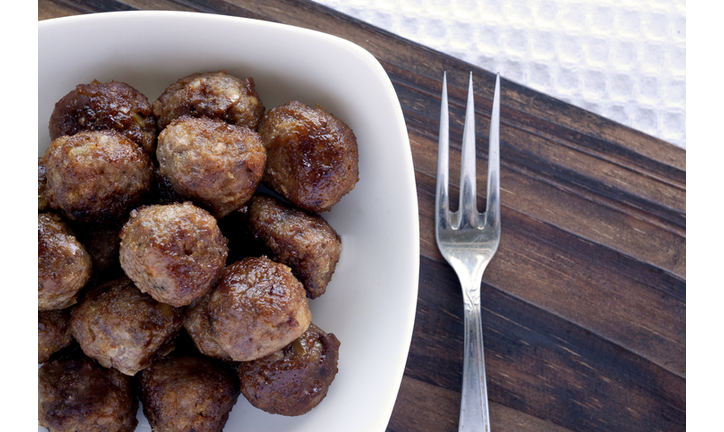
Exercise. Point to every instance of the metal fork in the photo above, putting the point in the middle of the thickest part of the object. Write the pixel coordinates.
(468, 240)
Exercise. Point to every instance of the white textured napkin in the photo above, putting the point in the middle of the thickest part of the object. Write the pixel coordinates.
(621, 59)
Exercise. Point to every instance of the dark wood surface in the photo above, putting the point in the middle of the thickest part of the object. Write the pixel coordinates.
(584, 305)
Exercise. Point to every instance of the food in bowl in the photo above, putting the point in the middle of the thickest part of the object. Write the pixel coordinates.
(53, 332)
(173, 252)
(75, 393)
(216, 95)
(96, 176)
(188, 392)
(123, 328)
(312, 156)
(105, 106)
(64, 265)
(216, 164)
(302, 240)
(252, 309)
(295, 379)
(257, 307)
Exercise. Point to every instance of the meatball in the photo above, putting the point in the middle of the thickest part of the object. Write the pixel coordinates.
(215, 164)
(123, 328)
(257, 307)
(213, 94)
(173, 252)
(197, 325)
(76, 394)
(64, 265)
(96, 176)
(42, 182)
(303, 241)
(312, 156)
(105, 106)
(53, 332)
(295, 379)
(188, 393)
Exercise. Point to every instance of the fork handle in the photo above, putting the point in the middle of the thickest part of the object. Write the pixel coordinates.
(474, 413)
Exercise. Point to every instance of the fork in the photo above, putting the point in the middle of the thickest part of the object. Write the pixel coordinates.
(468, 240)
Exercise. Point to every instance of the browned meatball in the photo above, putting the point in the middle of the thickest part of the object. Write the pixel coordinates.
(257, 307)
(53, 332)
(173, 252)
(303, 241)
(42, 182)
(96, 176)
(198, 327)
(64, 265)
(212, 94)
(76, 394)
(311, 155)
(105, 106)
(213, 163)
(188, 393)
(295, 379)
(123, 328)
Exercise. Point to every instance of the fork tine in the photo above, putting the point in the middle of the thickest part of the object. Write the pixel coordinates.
(468, 241)
(468, 197)
(441, 193)
(492, 208)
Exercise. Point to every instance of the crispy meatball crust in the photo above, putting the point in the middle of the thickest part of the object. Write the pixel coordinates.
(312, 158)
(188, 393)
(211, 94)
(213, 163)
(197, 325)
(64, 265)
(53, 332)
(173, 252)
(121, 327)
(96, 176)
(257, 307)
(103, 106)
(304, 241)
(77, 394)
(42, 182)
(295, 379)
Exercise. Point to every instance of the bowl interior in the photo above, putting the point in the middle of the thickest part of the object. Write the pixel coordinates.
(370, 303)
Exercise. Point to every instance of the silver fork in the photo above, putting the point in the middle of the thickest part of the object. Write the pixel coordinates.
(468, 240)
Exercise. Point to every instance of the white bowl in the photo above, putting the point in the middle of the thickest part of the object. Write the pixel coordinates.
(370, 303)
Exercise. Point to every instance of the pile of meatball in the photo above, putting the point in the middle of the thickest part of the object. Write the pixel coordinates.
(179, 246)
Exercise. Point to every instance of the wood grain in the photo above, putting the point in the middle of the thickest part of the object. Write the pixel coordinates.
(585, 302)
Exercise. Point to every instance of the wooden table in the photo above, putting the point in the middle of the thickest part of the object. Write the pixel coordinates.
(584, 305)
